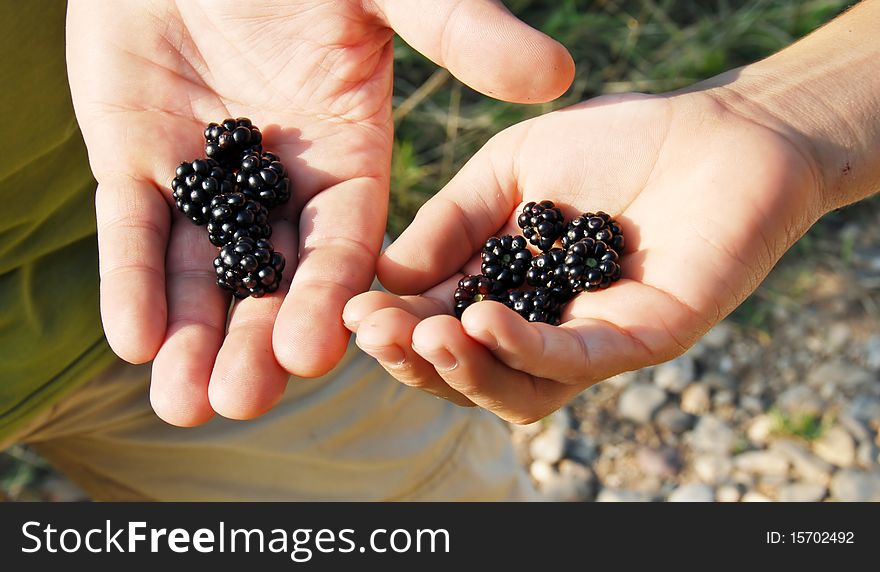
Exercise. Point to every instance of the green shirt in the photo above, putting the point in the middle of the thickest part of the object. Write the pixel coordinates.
(50, 330)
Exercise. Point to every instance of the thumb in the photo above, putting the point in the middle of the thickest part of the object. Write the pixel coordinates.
(485, 46)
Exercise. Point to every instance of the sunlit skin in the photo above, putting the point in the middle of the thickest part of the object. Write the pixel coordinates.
(708, 202)
(711, 184)
(316, 76)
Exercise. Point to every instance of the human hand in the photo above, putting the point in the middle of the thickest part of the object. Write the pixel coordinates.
(146, 78)
(708, 199)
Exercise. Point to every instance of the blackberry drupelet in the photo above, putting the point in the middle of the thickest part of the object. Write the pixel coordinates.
(538, 305)
(506, 260)
(590, 265)
(194, 186)
(249, 267)
(542, 224)
(227, 141)
(598, 226)
(475, 288)
(234, 216)
(264, 179)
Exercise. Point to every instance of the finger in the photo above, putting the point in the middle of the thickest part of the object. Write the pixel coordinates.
(485, 46)
(197, 311)
(386, 335)
(437, 300)
(623, 328)
(247, 379)
(469, 368)
(134, 218)
(455, 223)
(341, 233)
(133, 226)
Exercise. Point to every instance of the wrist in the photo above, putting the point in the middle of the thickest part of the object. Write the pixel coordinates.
(822, 95)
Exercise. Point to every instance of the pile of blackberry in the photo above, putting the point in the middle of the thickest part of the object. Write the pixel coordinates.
(537, 286)
(231, 192)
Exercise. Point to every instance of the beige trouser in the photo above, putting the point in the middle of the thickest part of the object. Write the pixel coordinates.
(355, 434)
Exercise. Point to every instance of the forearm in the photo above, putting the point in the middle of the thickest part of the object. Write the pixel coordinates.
(824, 94)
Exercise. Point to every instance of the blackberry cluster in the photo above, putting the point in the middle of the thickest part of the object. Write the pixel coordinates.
(588, 260)
(234, 216)
(195, 184)
(231, 191)
(542, 223)
(263, 178)
(249, 267)
(590, 265)
(546, 269)
(506, 260)
(475, 288)
(227, 141)
(598, 226)
(538, 305)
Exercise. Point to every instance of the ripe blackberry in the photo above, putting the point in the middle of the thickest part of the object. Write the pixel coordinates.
(538, 305)
(264, 179)
(506, 260)
(546, 270)
(195, 184)
(475, 288)
(598, 226)
(227, 141)
(542, 224)
(249, 267)
(234, 216)
(590, 265)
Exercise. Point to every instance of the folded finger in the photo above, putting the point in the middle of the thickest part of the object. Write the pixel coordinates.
(133, 227)
(197, 311)
(386, 335)
(623, 328)
(470, 368)
(437, 300)
(341, 233)
(247, 379)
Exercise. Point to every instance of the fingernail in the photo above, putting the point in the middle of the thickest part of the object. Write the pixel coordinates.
(392, 354)
(440, 358)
